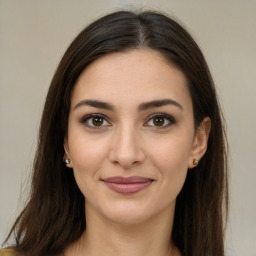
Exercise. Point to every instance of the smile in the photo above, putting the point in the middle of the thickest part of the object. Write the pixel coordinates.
(127, 185)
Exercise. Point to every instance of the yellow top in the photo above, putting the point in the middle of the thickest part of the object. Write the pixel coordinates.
(7, 252)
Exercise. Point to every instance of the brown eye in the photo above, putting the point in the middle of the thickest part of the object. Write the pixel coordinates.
(158, 121)
(97, 121)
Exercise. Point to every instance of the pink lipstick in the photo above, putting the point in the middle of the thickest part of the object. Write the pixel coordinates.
(127, 185)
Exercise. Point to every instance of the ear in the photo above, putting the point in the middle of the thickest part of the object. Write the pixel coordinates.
(67, 154)
(200, 142)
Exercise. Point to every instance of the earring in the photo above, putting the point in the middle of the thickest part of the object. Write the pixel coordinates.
(195, 162)
(67, 161)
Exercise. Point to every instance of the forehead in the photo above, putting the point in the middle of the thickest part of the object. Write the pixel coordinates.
(136, 75)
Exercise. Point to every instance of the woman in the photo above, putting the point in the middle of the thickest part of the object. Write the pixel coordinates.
(131, 158)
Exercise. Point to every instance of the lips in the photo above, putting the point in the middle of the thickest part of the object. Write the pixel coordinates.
(127, 185)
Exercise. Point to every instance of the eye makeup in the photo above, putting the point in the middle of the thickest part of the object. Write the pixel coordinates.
(160, 120)
(100, 121)
(95, 121)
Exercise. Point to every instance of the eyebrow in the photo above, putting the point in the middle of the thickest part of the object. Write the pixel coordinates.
(95, 104)
(142, 107)
(159, 103)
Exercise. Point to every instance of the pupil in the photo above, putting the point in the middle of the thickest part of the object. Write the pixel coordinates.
(97, 121)
(158, 121)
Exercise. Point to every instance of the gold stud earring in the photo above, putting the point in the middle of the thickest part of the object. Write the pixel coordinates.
(195, 162)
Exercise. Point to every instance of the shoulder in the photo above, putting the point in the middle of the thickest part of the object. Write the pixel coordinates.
(7, 252)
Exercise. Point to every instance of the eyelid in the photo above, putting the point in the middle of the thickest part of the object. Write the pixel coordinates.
(85, 118)
(163, 115)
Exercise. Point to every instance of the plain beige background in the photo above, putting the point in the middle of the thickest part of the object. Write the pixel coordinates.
(35, 34)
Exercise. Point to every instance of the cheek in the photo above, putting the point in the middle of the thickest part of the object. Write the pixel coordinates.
(171, 158)
(88, 154)
(86, 163)
(172, 153)
(87, 151)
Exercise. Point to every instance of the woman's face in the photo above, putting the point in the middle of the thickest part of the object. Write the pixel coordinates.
(131, 136)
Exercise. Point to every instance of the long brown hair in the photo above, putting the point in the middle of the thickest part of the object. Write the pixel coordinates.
(54, 216)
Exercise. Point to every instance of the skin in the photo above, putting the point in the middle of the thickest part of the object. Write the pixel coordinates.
(131, 141)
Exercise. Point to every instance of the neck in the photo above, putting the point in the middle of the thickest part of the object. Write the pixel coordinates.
(105, 237)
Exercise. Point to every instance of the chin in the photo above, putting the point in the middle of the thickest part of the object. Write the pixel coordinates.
(130, 213)
(127, 218)
(126, 213)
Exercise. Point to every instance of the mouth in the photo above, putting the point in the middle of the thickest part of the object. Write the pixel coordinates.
(127, 185)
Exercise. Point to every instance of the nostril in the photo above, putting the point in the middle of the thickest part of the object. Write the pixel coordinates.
(126, 164)
(126, 148)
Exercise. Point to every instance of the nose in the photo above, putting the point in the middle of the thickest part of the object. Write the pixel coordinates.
(127, 148)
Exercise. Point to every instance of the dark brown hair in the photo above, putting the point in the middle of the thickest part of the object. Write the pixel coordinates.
(54, 216)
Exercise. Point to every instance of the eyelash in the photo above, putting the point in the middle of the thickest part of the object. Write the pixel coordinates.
(86, 119)
(166, 117)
